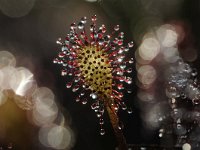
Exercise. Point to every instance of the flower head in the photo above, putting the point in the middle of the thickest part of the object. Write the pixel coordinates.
(96, 62)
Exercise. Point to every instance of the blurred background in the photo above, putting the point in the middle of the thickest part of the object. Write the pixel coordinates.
(163, 32)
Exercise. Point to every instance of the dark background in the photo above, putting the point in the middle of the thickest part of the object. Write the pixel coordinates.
(32, 39)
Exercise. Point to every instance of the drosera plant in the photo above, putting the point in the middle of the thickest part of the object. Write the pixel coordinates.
(99, 70)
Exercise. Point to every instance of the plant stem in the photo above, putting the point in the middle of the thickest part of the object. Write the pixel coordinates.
(115, 124)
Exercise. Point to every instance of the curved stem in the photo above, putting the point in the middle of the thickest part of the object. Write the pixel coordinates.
(118, 133)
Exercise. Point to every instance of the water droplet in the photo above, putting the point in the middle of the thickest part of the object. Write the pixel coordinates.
(73, 26)
(94, 18)
(107, 38)
(75, 88)
(69, 85)
(123, 105)
(120, 86)
(122, 66)
(194, 72)
(129, 91)
(82, 93)
(84, 20)
(77, 99)
(121, 35)
(160, 135)
(94, 106)
(99, 115)
(101, 121)
(126, 49)
(130, 45)
(129, 70)
(120, 125)
(101, 42)
(55, 61)
(130, 111)
(80, 25)
(120, 42)
(63, 72)
(172, 92)
(129, 80)
(59, 41)
(102, 132)
(92, 29)
(84, 101)
(93, 95)
(131, 61)
(116, 28)
(196, 101)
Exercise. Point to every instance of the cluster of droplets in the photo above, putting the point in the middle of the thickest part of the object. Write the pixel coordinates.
(97, 66)
(183, 93)
(182, 82)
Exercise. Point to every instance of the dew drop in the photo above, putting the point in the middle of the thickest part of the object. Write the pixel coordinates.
(75, 88)
(84, 101)
(122, 66)
(73, 26)
(194, 72)
(94, 18)
(130, 45)
(55, 61)
(63, 72)
(129, 91)
(94, 106)
(160, 135)
(102, 132)
(120, 86)
(120, 126)
(129, 80)
(93, 95)
(82, 94)
(101, 121)
(130, 111)
(59, 41)
(69, 85)
(126, 49)
(80, 25)
(129, 70)
(84, 20)
(131, 61)
(101, 42)
(196, 101)
(77, 99)
(99, 115)
(123, 105)
(116, 28)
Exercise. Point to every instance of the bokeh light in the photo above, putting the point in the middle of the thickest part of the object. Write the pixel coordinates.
(56, 136)
(186, 146)
(7, 74)
(167, 35)
(149, 48)
(16, 8)
(22, 82)
(45, 110)
(18, 84)
(147, 74)
(145, 96)
(170, 54)
(7, 59)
